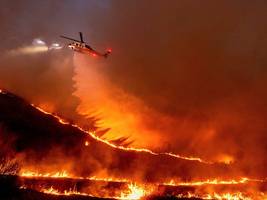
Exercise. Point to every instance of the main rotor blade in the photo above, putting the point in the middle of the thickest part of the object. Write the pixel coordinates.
(70, 38)
(81, 37)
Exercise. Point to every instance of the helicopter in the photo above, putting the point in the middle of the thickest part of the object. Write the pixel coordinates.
(82, 47)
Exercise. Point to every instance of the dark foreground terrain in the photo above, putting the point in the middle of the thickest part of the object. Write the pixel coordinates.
(10, 189)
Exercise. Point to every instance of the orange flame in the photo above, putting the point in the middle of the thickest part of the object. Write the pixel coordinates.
(211, 182)
(62, 174)
(135, 192)
(92, 134)
(224, 196)
(65, 174)
(132, 192)
(53, 191)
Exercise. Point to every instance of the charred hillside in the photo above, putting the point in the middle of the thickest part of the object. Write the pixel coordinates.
(39, 141)
(34, 130)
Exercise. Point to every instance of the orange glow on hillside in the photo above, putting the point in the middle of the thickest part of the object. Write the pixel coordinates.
(62, 121)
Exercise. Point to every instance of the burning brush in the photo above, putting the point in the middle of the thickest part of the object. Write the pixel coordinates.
(44, 178)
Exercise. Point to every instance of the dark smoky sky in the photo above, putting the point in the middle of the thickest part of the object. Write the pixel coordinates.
(201, 63)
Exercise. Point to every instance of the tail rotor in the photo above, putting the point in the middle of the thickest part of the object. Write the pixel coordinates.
(107, 53)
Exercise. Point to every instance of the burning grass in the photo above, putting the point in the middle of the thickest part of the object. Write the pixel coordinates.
(64, 166)
(56, 184)
(9, 166)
